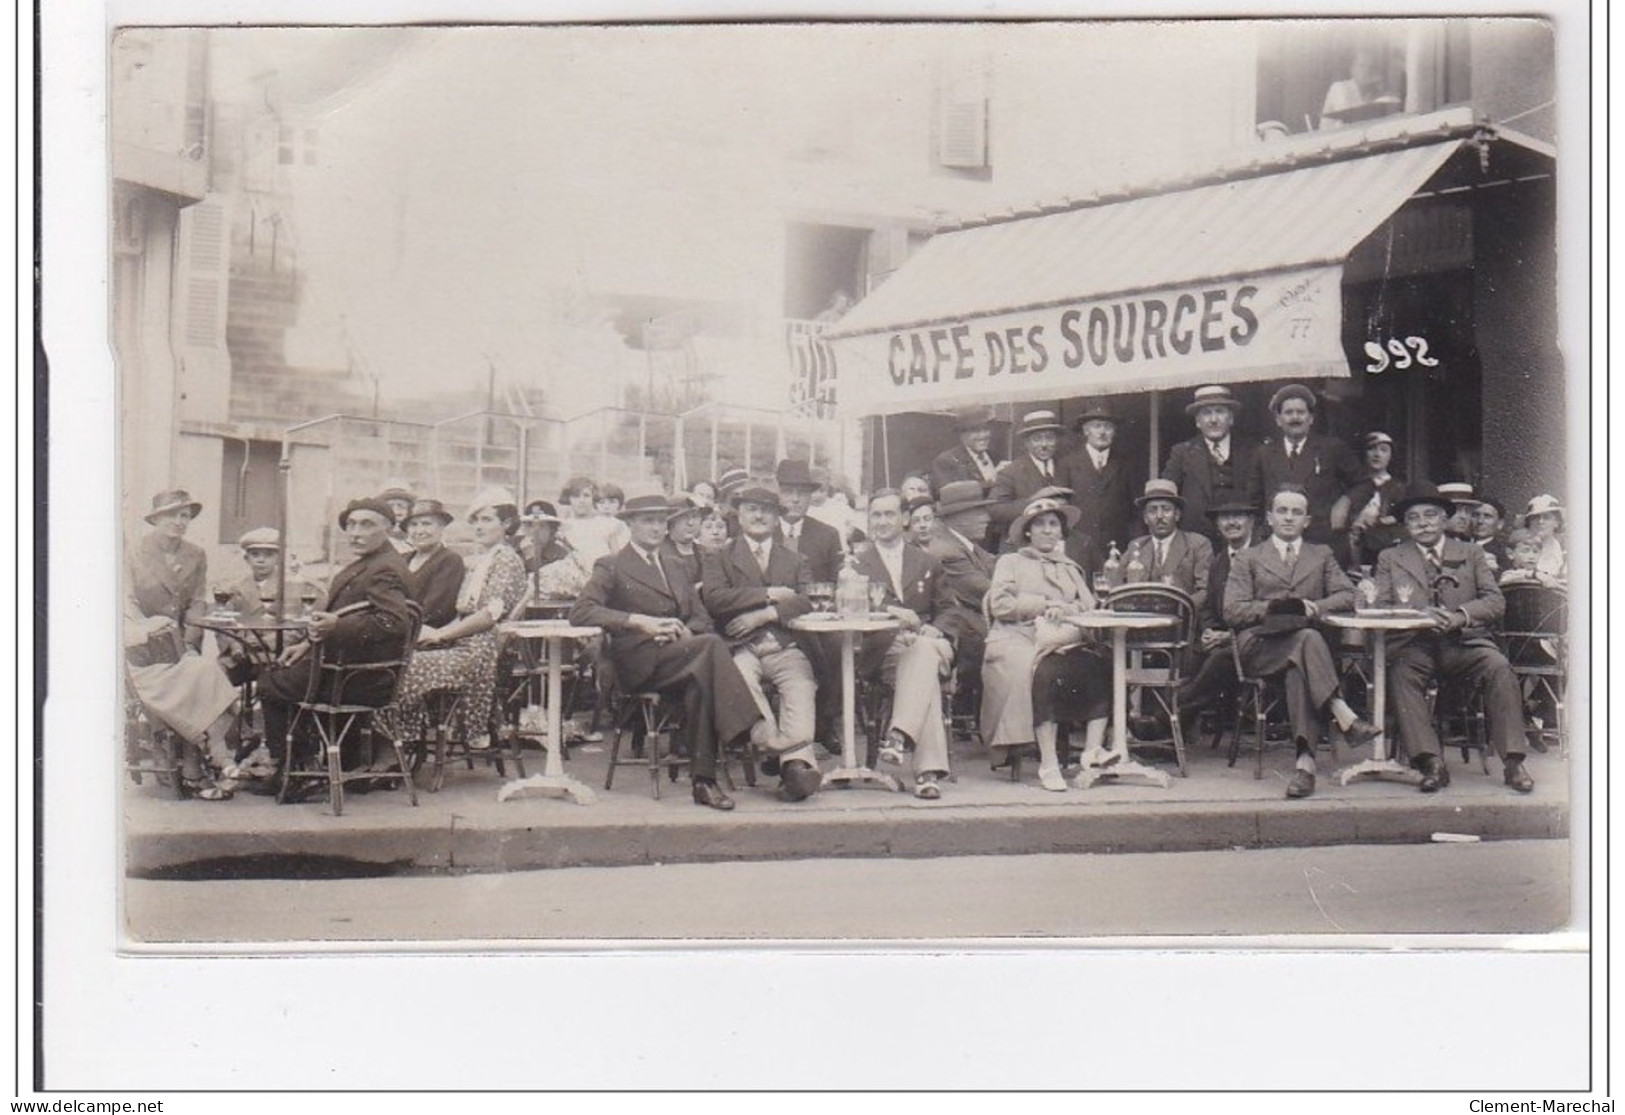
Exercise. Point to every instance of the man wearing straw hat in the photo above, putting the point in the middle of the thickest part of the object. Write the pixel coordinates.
(1211, 461)
(971, 459)
(1032, 469)
(1170, 555)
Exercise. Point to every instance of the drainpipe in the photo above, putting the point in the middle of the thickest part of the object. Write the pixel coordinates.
(284, 467)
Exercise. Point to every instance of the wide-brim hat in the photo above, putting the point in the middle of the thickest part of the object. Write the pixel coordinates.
(1291, 391)
(1230, 503)
(759, 494)
(686, 504)
(1425, 496)
(645, 505)
(371, 503)
(487, 498)
(260, 538)
(1212, 397)
(973, 418)
(1037, 421)
(792, 473)
(1043, 505)
(1095, 412)
(541, 511)
(429, 509)
(1544, 505)
(961, 495)
(1160, 489)
(173, 500)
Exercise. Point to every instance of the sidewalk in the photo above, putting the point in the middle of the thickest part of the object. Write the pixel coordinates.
(464, 827)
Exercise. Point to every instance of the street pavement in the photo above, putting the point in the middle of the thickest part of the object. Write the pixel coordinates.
(465, 828)
(1505, 887)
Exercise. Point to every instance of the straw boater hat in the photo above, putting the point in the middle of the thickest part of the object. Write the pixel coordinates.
(261, 538)
(1040, 505)
(376, 506)
(760, 494)
(173, 500)
(541, 511)
(1544, 505)
(1212, 397)
(972, 418)
(1095, 412)
(1165, 490)
(429, 509)
(1425, 495)
(1291, 391)
(489, 498)
(1460, 493)
(652, 504)
(1036, 421)
(961, 495)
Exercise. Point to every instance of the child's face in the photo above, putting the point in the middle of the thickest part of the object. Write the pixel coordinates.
(608, 505)
(1525, 555)
(261, 563)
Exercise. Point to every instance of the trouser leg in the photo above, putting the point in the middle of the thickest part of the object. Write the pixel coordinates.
(917, 701)
(1409, 671)
(1503, 703)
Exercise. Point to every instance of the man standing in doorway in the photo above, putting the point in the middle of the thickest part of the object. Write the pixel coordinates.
(1322, 467)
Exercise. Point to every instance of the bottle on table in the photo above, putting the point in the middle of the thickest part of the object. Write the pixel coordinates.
(851, 590)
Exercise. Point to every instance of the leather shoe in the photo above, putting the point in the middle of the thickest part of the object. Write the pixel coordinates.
(1517, 777)
(1435, 775)
(1361, 732)
(771, 766)
(710, 794)
(1301, 785)
(799, 781)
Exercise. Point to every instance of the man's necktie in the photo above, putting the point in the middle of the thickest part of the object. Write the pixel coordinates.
(792, 534)
(654, 561)
(1045, 468)
(1291, 554)
(761, 555)
(1218, 453)
(1159, 553)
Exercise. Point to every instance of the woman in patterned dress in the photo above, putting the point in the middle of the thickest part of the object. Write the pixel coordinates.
(463, 653)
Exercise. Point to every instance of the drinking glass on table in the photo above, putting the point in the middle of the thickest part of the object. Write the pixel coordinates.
(1102, 587)
(877, 595)
(1403, 591)
(308, 597)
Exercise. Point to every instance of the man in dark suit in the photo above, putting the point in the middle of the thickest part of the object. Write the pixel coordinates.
(1323, 467)
(913, 658)
(818, 542)
(971, 458)
(1102, 485)
(754, 588)
(366, 618)
(1489, 521)
(1276, 590)
(434, 574)
(1451, 581)
(967, 570)
(1211, 461)
(1236, 521)
(662, 639)
(1018, 481)
(1167, 554)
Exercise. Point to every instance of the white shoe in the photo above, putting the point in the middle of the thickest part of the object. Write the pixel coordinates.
(1050, 778)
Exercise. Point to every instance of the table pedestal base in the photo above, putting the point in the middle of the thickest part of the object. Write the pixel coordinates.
(561, 785)
(1100, 765)
(847, 777)
(1386, 770)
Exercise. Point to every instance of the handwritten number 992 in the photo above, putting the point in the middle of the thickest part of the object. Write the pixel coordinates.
(1404, 354)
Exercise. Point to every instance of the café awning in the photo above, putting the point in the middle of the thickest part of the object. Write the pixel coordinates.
(1228, 282)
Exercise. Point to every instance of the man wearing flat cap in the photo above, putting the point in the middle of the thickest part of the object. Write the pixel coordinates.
(753, 588)
(972, 458)
(1324, 468)
(1034, 468)
(663, 639)
(1451, 581)
(1102, 485)
(1212, 461)
(434, 574)
(365, 618)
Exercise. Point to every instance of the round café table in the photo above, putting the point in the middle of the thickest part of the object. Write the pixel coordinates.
(850, 772)
(1114, 761)
(1379, 622)
(552, 633)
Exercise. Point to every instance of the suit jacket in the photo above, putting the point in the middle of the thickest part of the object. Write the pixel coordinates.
(687, 565)
(1258, 576)
(1105, 496)
(1475, 592)
(1218, 574)
(1198, 475)
(435, 585)
(1325, 468)
(925, 589)
(371, 634)
(1189, 556)
(957, 464)
(1014, 486)
(820, 544)
(732, 583)
(622, 584)
(967, 572)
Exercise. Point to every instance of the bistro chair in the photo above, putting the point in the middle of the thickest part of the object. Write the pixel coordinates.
(336, 722)
(1534, 637)
(1259, 703)
(450, 739)
(150, 749)
(1156, 659)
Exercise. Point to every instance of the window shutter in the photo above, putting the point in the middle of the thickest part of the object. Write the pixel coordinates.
(962, 141)
(205, 256)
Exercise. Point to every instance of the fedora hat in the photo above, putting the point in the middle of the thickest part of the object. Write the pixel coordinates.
(261, 538)
(759, 494)
(645, 505)
(369, 503)
(1160, 489)
(973, 418)
(429, 509)
(792, 473)
(1291, 391)
(173, 500)
(1095, 412)
(396, 489)
(487, 498)
(1212, 396)
(541, 511)
(1229, 502)
(961, 495)
(1042, 505)
(1425, 495)
(1036, 421)
(686, 504)
(1544, 505)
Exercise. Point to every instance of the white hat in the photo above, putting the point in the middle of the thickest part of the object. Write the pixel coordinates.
(1543, 505)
